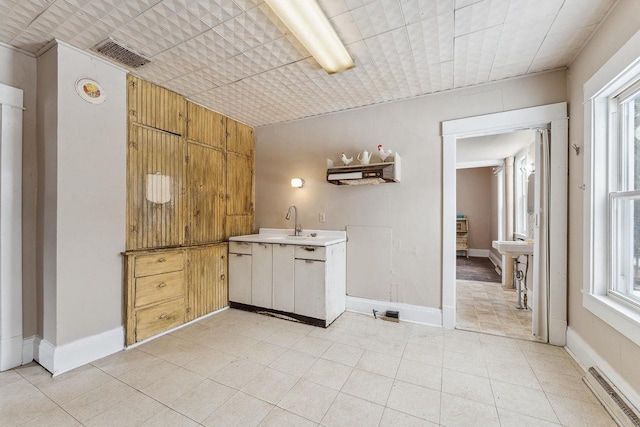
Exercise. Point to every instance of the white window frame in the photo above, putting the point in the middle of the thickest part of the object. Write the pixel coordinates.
(621, 71)
(520, 194)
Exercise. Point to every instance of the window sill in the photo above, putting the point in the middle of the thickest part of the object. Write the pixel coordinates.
(619, 316)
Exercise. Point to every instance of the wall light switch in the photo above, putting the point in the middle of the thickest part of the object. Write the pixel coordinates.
(321, 217)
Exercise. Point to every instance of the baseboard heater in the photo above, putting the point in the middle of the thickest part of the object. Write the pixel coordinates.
(620, 409)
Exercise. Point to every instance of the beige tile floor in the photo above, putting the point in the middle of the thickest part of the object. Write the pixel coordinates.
(488, 307)
(237, 368)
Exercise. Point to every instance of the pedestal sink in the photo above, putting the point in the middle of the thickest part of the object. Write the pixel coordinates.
(513, 248)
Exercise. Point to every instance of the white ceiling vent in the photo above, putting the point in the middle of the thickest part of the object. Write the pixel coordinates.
(118, 52)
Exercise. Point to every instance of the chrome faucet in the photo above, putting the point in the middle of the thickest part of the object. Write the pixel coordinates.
(297, 227)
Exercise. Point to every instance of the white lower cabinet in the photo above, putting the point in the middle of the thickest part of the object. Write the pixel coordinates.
(240, 278)
(262, 274)
(308, 281)
(310, 288)
(283, 277)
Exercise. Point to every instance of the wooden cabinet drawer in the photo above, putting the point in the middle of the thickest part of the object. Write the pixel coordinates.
(158, 318)
(311, 252)
(159, 263)
(159, 287)
(240, 248)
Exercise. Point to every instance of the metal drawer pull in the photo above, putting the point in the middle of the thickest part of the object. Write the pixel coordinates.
(238, 254)
(162, 285)
(161, 260)
(222, 276)
(310, 249)
(163, 316)
(308, 261)
(283, 244)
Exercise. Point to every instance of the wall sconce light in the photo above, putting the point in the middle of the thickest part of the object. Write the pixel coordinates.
(297, 182)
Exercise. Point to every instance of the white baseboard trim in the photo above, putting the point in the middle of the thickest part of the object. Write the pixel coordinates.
(482, 253)
(168, 331)
(587, 357)
(27, 349)
(496, 260)
(10, 352)
(63, 358)
(408, 313)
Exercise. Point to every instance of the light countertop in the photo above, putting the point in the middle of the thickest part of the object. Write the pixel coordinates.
(286, 237)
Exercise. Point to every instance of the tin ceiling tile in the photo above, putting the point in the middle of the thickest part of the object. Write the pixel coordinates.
(16, 16)
(212, 12)
(419, 10)
(432, 39)
(333, 8)
(479, 16)
(459, 4)
(378, 17)
(250, 67)
(474, 54)
(580, 13)
(346, 28)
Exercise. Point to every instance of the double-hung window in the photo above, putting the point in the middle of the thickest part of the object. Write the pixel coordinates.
(624, 195)
(611, 244)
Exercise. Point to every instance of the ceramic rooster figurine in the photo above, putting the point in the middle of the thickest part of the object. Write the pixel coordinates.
(383, 154)
(345, 160)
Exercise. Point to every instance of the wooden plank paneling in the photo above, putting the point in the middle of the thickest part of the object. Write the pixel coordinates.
(155, 106)
(207, 288)
(239, 138)
(205, 126)
(207, 193)
(156, 205)
(238, 225)
(239, 184)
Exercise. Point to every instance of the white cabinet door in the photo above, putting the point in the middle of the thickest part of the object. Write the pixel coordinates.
(240, 278)
(261, 275)
(283, 276)
(309, 288)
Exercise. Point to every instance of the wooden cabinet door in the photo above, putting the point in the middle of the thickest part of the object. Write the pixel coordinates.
(310, 288)
(261, 274)
(156, 204)
(207, 289)
(239, 184)
(239, 138)
(283, 276)
(206, 127)
(238, 225)
(240, 278)
(207, 194)
(156, 107)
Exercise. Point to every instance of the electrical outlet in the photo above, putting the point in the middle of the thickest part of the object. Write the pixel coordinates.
(321, 217)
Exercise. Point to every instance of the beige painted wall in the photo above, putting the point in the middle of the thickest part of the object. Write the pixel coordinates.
(413, 208)
(473, 199)
(494, 214)
(19, 70)
(617, 350)
(83, 222)
(47, 130)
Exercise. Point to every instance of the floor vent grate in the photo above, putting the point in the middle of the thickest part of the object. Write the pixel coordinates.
(118, 52)
(616, 404)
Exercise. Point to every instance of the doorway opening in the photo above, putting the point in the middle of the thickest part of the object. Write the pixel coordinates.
(550, 216)
(492, 195)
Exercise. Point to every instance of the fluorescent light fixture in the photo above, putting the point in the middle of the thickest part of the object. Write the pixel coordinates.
(297, 182)
(310, 25)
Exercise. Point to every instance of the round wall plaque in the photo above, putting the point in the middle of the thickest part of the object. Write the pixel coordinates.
(91, 91)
